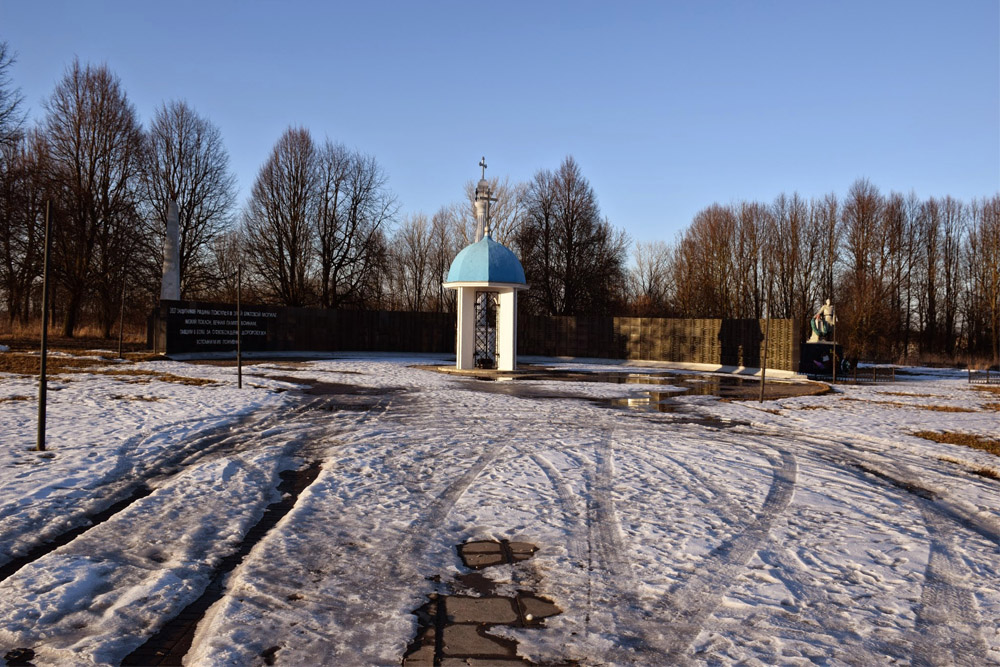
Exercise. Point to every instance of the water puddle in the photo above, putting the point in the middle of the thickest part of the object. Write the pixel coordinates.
(454, 628)
(726, 387)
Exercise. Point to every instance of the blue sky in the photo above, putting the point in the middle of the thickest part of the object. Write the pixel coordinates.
(667, 106)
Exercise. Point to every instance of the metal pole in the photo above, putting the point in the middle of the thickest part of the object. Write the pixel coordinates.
(763, 365)
(833, 360)
(40, 442)
(121, 317)
(239, 327)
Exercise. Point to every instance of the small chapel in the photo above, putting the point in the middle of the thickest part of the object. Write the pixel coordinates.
(487, 276)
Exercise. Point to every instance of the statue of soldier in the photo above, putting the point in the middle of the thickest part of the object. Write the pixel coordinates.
(822, 323)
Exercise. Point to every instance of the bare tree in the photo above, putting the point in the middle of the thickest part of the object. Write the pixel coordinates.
(506, 212)
(750, 243)
(707, 250)
(278, 220)
(23, 192)
(354, 207)
(443, 250)
(188, 163)
(830, 230)
(868, 318)
(650, 280)
(573, 259)
(11, 99)
(227, 256)
(929, 227)
(984, 270)
(410, 255)
(953, 223)
(96, 152)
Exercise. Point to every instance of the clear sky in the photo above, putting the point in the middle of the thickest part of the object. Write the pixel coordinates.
(667, 106)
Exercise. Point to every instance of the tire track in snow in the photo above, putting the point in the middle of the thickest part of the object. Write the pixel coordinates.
(617, 589)
(226, 440)
(419, 531)
(686, 608)
(569, 500)
(830, 630)
(847, 453)
(713, 496)
(124, 484)
(948, 624)
(573, 515)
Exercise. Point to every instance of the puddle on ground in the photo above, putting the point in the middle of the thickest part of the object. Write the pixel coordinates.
(454, 627)
(726, 387)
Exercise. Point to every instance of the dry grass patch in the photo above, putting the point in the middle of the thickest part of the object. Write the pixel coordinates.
(17, 397)
(30, 364)
(812, 407)
(982, 471)
(907, 394)
(981, 442)
(128, 397)
(988, 388)
(144, 377)
(897, 404)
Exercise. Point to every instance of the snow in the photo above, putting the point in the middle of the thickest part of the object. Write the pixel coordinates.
(810, 529)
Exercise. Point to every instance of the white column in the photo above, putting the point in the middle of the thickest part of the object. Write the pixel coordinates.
(507, 331)
(465, 337)
(170, 288)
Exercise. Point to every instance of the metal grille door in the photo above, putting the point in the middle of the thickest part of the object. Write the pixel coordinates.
(486, 330)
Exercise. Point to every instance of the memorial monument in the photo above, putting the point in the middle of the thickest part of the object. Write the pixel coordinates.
(170, 287)
(820, 352)
(487, 276)
(822, 323)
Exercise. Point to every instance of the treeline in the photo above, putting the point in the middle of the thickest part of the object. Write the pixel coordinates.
(322, 228)
(909, 278)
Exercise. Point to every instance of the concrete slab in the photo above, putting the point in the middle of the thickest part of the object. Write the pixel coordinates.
(481, 547)
(465, 640)
(522, 548)
(479, 561)
(481, 662)
(537, 607)
(498, 610)
(422, 657)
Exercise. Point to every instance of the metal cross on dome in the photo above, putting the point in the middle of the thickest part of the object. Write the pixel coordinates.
(482, 163)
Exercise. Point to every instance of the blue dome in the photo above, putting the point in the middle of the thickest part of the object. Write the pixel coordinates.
(486, 262)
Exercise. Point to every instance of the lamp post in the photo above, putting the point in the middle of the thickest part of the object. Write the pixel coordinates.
(42, 384)
(239, 326)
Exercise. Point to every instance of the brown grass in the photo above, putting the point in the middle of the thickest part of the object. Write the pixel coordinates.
(28, 364)
(907, 394)
(143, 377)
(982, 471)
(980, 442)
(18, 363)
(17, 397)
(813, 407)
(126, 397)
(897, 404)
(988, 388)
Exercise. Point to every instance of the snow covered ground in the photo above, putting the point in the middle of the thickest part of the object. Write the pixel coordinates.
(810, 529)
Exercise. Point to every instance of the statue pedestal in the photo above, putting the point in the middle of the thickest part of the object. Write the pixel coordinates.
(817, 358)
